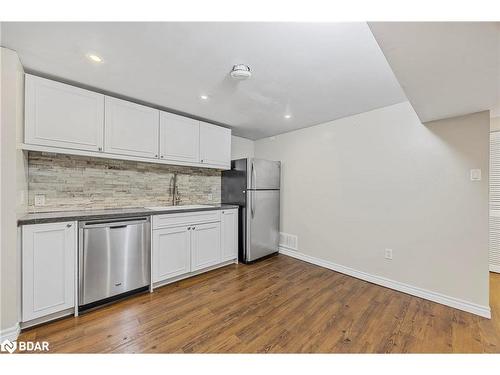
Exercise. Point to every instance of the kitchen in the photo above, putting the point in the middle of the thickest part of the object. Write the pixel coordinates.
(246, 202)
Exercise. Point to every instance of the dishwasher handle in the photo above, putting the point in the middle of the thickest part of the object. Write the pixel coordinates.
(118, 226)
(113, 224)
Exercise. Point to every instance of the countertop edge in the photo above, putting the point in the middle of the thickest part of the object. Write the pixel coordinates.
(61, 216)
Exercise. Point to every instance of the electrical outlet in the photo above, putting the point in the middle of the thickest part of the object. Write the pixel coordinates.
(39, 200)
(388, 254)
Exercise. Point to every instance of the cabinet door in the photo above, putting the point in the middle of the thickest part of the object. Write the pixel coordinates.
(131, 129)
(229, 234)
(205, 246)
(60, 115)
(48, 268)
(179, 138)
(171, 252)
(215, 145)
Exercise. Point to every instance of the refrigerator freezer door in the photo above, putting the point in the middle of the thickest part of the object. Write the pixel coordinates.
(262, 212)
(263, 174)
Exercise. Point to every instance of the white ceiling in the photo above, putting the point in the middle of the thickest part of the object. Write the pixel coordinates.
(315, 72)
(446, 69)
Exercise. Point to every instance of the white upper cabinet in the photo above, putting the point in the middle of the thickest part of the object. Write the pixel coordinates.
(131, 129)
(179, 138)
(215, 145)
(64, 116)
(70, 120)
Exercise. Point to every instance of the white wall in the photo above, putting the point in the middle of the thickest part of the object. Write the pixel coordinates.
(495, 119)
(13, 192)
(355, 186)
(241, 148)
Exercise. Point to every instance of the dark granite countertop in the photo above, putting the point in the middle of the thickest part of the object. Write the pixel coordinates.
(57, 216)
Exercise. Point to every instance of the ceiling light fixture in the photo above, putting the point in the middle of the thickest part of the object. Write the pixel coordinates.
(94, 58)
(288, 116)
(204, 97)
(241, 72)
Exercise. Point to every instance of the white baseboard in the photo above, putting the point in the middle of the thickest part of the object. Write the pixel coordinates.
(494, 268)
(456, 303)
(11, 333)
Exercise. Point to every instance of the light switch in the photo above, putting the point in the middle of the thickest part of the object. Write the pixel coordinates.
(475, 175)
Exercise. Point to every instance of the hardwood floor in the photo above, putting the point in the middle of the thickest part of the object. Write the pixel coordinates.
(278, 305)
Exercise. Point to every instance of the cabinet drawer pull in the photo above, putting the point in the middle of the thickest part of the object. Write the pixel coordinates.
(69, 225)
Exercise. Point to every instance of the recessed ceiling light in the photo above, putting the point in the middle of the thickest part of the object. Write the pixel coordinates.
(204, 97)
(288, 116)
(94, 57)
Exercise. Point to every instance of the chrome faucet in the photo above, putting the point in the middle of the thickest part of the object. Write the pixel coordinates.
(174, 190)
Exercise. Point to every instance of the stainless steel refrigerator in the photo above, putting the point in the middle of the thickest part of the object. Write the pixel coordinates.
(254, 185)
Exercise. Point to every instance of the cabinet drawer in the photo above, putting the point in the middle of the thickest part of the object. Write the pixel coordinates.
(185, 218)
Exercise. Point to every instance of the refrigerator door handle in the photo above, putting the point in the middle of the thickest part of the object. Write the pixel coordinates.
(252, 202)
(254, 176)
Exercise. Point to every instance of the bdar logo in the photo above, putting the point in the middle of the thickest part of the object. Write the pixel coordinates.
(8, 346)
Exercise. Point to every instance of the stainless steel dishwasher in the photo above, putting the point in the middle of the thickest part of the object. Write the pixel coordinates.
(113, 259)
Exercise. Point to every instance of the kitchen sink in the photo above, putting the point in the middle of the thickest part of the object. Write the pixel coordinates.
(184, 207)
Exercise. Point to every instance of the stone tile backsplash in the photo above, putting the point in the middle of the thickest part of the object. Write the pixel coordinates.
(77, 182)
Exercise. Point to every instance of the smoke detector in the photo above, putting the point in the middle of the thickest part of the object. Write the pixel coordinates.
(241, 72)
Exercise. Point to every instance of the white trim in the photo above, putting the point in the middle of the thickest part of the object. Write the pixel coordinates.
(108, 155)
(456, 303)
(48, 318)
(494, 268)
(11, 333)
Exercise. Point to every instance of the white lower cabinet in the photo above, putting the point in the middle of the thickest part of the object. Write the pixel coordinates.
(182, 244)
(229, 234)
(185, 243)
(205, 248)
(171, 252)
(48, 268)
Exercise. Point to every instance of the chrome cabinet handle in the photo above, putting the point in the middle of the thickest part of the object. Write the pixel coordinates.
(189, 228)
(156, 155)
(99, 148)
(161, 156)
(69, 225)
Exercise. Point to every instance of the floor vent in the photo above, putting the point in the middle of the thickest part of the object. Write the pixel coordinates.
(289, 241)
